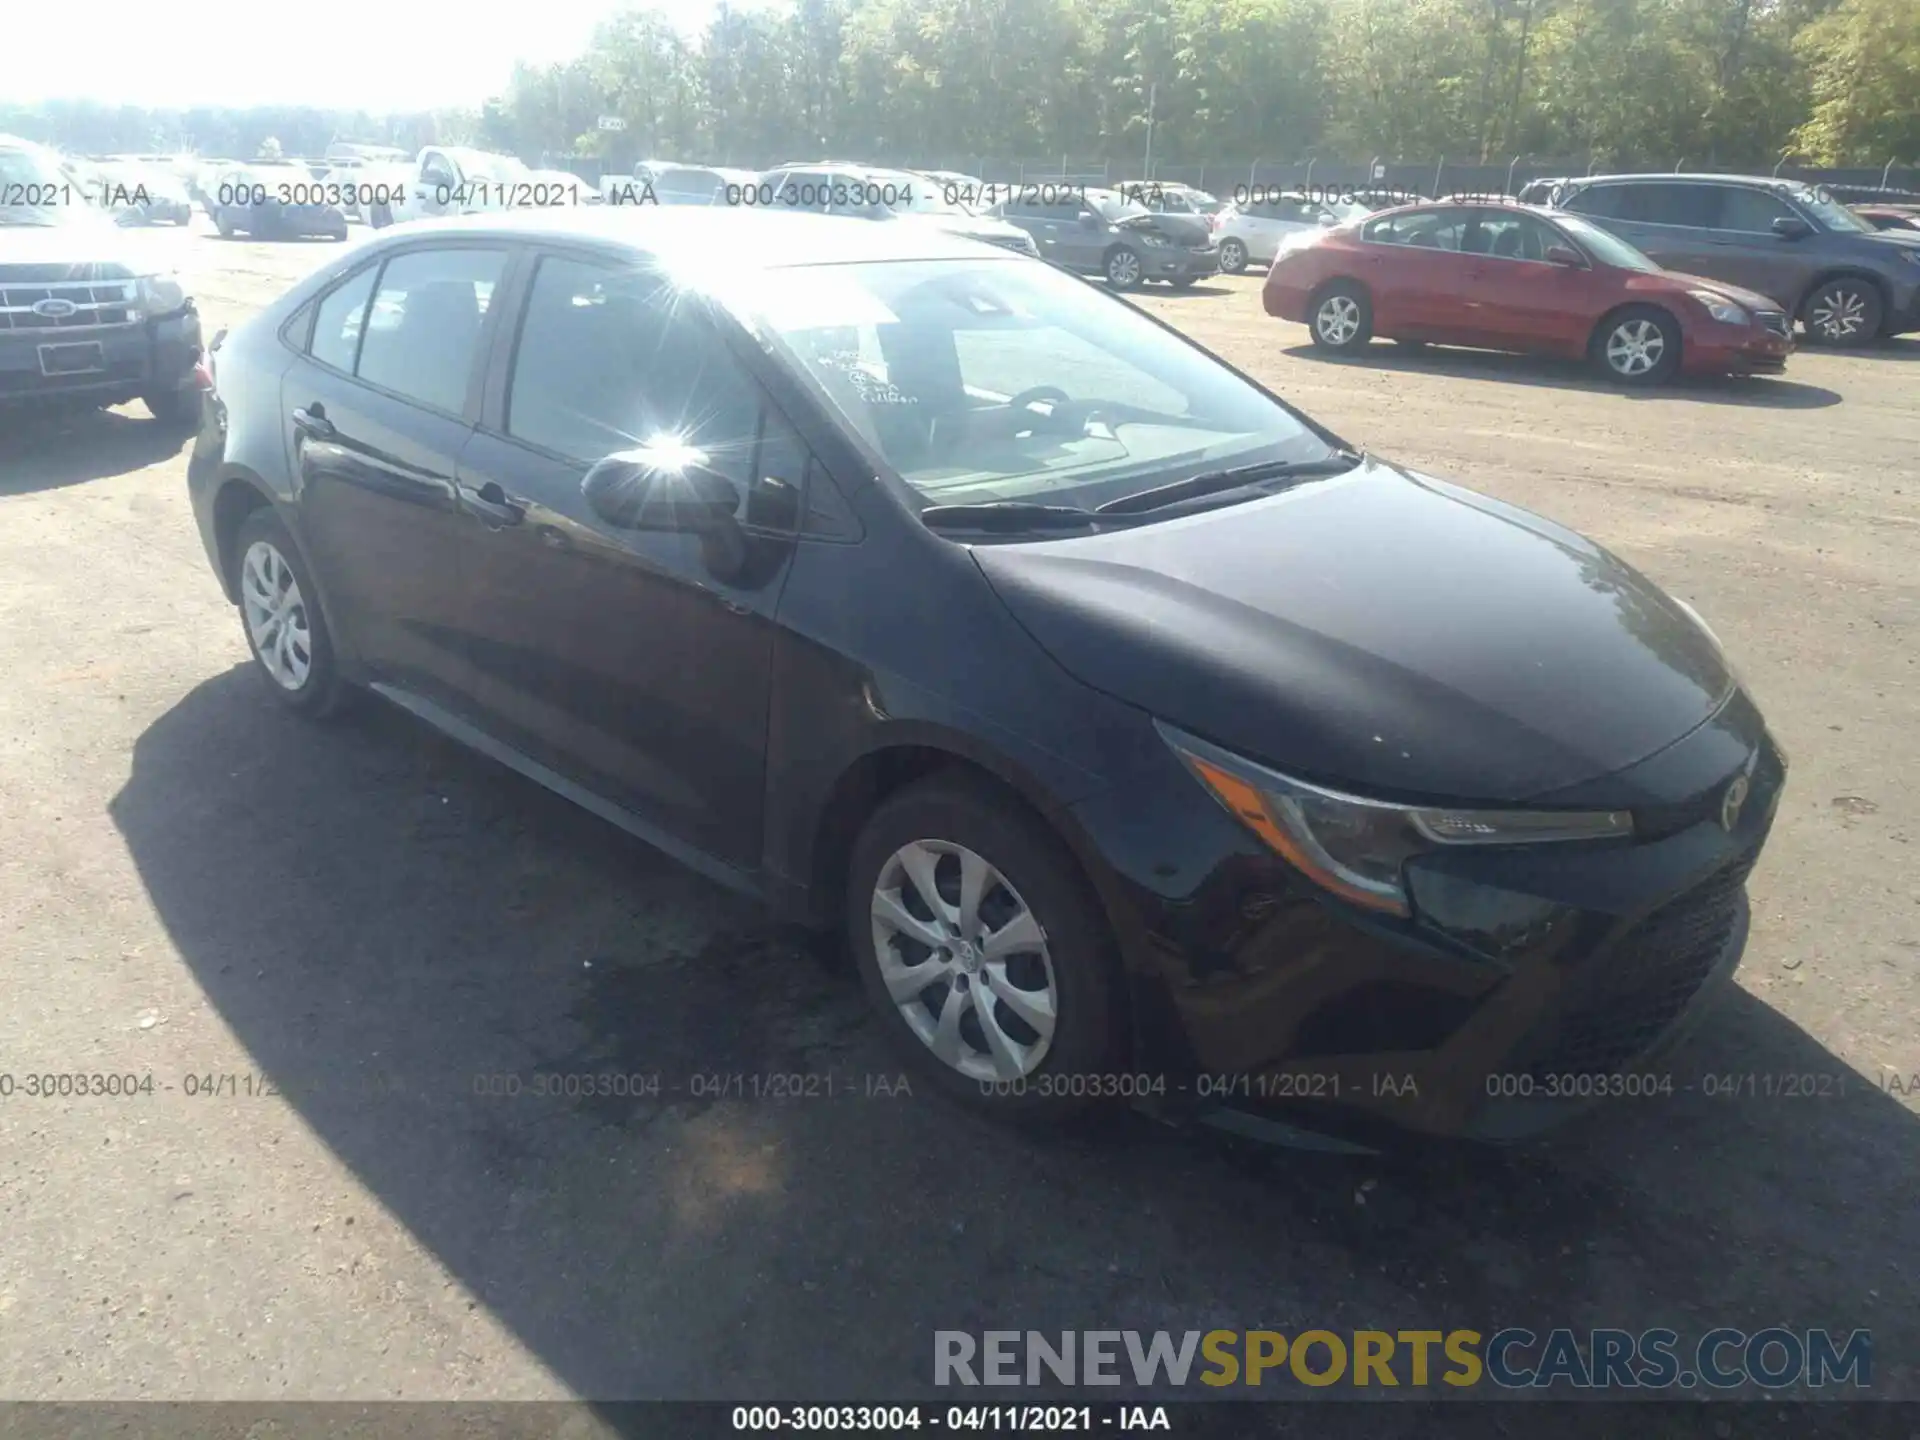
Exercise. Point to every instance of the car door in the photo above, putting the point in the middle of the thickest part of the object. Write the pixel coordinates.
(1417, 274)
(1747, 251)
(1517, 299)
(1084, 229)
(631, 661)
(376, 417)
(437, 186)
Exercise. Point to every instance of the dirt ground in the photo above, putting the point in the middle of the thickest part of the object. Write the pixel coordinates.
(196, 887)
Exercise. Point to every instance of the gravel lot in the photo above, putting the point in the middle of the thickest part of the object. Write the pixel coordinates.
(192, 884)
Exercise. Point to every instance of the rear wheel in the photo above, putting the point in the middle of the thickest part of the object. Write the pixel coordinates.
(1233, 256)
(1843, 312)
(280, 613)
(223, 225)
(1342, 317)
(380, 215)
(983, 950)
(1639, 345)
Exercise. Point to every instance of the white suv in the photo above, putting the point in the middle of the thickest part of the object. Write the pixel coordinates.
(1252, 232)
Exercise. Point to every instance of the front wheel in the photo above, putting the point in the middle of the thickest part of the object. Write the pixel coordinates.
(983, 950)
(1637, 346)
(1342, 318)
(174, 409)
(1123, 269)
(1233, 257)
(380, 215)
(224, 226)
(280, 612)
(1843, 312)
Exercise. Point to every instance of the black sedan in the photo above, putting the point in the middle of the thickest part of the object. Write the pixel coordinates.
(1143, 740)
(274, 202)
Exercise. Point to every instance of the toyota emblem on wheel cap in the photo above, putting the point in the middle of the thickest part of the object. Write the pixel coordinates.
(1731, 802)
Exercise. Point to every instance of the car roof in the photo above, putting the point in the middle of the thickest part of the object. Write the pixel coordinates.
(1692, 177)
(750, 238)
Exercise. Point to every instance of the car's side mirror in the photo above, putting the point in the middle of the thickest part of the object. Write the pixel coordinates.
(646, 489)
(1565, 255)
(1791, 227)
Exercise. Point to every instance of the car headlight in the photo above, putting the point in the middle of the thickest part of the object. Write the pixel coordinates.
(161, 294)
(1149, 238)
(1719, 307)
(1355, 847)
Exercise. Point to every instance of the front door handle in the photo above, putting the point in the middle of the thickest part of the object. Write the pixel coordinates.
(492, 504)
(312, 420)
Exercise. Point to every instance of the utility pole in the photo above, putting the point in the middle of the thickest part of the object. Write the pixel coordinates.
(1153, 91)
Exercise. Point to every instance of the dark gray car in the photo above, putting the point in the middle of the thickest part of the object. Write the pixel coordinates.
(1105, 233)
(1847, 283)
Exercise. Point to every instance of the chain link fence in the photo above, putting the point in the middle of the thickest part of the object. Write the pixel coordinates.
(1435, 178)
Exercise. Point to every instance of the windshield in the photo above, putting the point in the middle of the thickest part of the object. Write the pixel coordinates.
(983, 381)
(488, 166)
(1115, 207)
(1604, 245)
(1830, 212)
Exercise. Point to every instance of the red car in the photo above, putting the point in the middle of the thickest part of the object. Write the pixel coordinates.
(1889, 217)
(1510, 277)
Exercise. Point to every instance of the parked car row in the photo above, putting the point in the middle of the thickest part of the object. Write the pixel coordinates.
(609, 497)
(1647, 276)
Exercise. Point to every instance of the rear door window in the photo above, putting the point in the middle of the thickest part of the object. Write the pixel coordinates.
(422, 332)
(1750, 211)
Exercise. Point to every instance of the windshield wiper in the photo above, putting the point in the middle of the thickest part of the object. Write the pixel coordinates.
(1215, 482)
(1008, 515)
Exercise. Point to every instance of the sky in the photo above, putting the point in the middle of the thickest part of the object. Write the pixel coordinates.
(380, 55)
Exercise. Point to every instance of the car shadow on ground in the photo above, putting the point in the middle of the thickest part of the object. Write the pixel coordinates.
(44, 452)
(408, 938)
(1199, 290)
(1770, 391)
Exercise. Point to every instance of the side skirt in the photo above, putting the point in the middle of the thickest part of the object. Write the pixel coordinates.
(474, 738)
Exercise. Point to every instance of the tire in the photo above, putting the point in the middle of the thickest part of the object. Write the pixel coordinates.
(380, 215)
(1123, 269)
(1638, 345)
(174, 409)
(1843, 312)
(264, 559)
(1030, 872)
(1233, 256)
(224, 226)
(1341, 317)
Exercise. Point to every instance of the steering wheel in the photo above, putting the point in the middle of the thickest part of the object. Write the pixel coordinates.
(1063, 406)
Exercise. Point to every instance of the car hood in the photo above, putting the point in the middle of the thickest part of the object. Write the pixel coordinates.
(1751, 299)
(1181, 229)
(971, 227)
(1379, 631)
(1905, 239)
(88, 239)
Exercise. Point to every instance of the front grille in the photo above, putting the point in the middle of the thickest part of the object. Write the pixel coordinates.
(80, 303)
(1623, 1004)
(1773, 320)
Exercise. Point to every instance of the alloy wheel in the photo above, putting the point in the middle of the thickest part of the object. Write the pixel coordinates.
(1635, 347)
(1124, 268)
(1338, 319)
(276, 615)
(1233, 256)
(965, 960)
(1838, 313)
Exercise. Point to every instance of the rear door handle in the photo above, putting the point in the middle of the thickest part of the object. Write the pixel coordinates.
(492, 505)
(312, 420)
